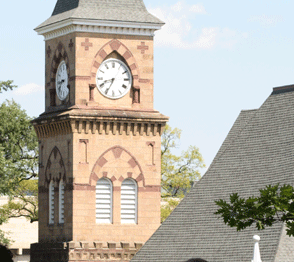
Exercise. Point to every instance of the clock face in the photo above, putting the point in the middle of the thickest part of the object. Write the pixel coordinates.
(113, 79)
(62, 81)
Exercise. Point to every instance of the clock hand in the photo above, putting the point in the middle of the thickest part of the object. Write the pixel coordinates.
(106, 91)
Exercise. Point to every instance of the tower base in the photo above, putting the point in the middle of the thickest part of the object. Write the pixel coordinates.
(84, 251)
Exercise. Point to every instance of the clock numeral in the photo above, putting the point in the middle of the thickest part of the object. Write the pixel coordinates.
(113, 65)
(124, 86)
(106, 92)
(100, 78)
(113, 94)
(102, 71)
(126, 79)
(120, 92)
(106, 66)
(102, 85)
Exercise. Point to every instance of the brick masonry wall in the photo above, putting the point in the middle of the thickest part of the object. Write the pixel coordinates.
(83, 54)
(81, 156)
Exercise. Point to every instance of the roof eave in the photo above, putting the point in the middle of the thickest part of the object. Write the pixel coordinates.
(70, 25)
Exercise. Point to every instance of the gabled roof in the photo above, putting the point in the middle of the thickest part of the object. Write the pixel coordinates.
(258, 151)
(107, 10)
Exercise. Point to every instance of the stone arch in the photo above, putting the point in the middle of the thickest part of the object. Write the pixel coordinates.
(55, 168)
(121, 49)
(59, 55)
(117, 153)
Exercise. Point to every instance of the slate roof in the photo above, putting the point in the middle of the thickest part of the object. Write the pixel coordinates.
(109, 10)
(258, 151)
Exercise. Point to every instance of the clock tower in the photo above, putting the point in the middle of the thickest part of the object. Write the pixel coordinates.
(99, 137)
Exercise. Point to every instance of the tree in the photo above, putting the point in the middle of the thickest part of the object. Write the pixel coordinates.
(6, 85)
(178, 173)
(18, 163)
(275, 204)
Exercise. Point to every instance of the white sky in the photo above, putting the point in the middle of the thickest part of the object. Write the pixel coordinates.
(212, 59)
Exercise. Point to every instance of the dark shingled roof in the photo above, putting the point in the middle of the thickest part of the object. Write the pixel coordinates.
(258, 151)
(108, 10)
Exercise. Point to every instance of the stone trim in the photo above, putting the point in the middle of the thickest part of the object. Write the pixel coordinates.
(109, 127)
(53, 129)
(62, 174)
(97, 26)
(102, 161)
(115, 127)
(97, 251)
(121, 49)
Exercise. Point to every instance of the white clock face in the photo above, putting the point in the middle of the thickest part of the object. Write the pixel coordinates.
(113, 78)
(62, 81)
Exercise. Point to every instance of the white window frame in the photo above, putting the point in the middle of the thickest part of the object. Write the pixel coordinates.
(61, 202)
(102, 197)
(51, 202)
(125, 218)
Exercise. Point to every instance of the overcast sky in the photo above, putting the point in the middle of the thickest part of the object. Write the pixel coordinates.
(212, 60)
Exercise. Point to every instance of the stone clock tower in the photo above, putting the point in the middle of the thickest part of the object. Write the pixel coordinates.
(99, 137)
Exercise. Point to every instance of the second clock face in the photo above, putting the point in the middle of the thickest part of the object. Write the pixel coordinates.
(113, 78)
(62, 81)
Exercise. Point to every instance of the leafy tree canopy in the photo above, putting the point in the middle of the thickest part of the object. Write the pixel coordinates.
(6, 85)
(18, 163)
(178, 173)
(275, 204)
(18, 147)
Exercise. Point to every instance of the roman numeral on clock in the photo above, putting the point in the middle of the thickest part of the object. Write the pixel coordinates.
(124, 86)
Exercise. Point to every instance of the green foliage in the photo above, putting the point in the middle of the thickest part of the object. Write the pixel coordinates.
(275, 204)
(18, 147)
(167, 208)
(178, 172)
(18, 163)
(4, 239)
(24, 203)
(6, 85)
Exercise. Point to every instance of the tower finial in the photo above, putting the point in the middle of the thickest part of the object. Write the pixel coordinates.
(256, 252)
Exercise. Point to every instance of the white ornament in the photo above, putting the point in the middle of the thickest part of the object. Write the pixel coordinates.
(256, 252)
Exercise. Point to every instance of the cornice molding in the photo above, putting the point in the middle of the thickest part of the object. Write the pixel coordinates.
(97, 26)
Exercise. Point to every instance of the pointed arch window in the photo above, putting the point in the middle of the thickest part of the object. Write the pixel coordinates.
(51, 202)
(129, 200)
(61, 202)
(104, 201)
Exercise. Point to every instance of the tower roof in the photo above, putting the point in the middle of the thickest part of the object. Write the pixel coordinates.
(102, 10)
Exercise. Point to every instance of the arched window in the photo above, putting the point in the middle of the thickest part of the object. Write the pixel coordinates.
(129, 201)
(104, 201)
(61, 202)
(51, 202)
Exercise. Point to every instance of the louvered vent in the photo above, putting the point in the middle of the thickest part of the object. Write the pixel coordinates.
(61, 202)
(129, 202)
(51, 202)
(104, 201)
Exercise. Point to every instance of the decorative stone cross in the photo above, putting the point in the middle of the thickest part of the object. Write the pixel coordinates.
(87, 44)
(48, 51)
(143, 47)
(256, 252)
